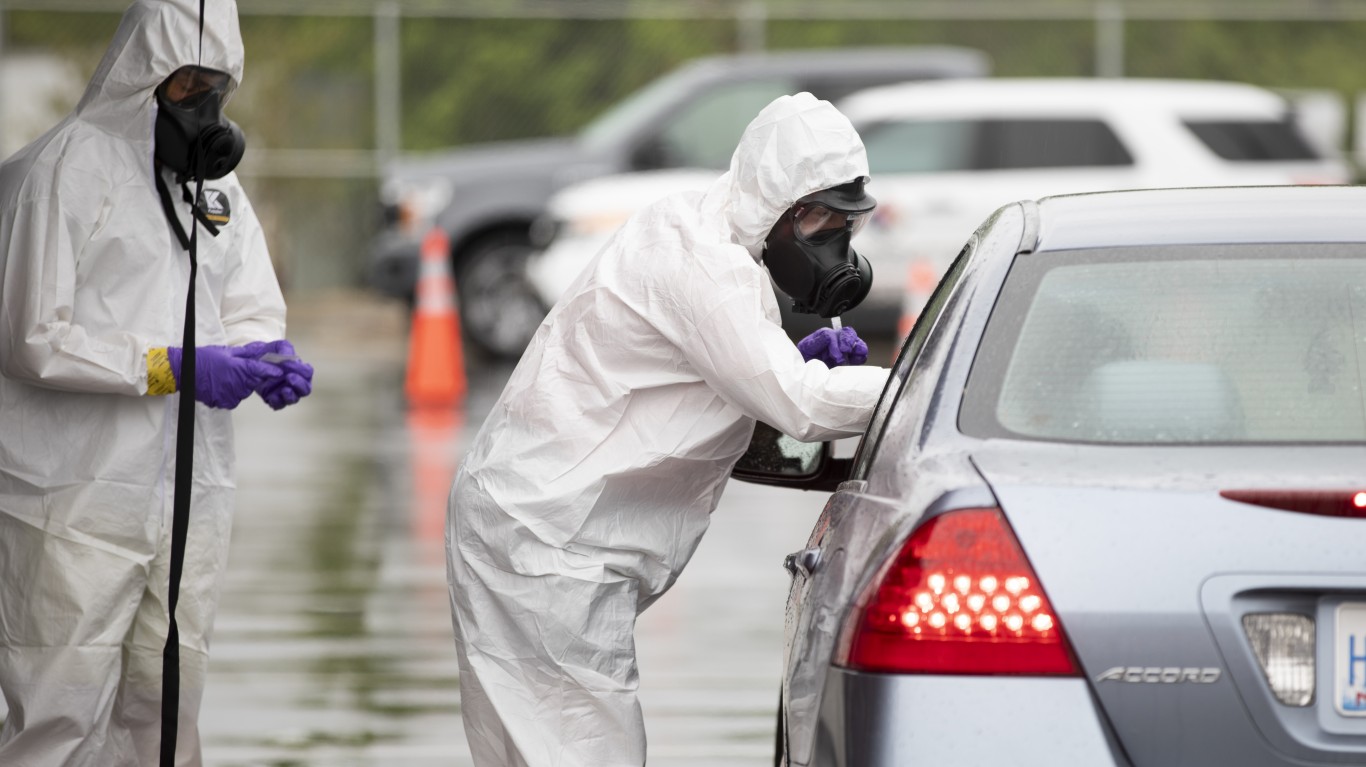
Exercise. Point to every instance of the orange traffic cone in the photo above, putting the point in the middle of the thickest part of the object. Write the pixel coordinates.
(436, 366)
(921, 279)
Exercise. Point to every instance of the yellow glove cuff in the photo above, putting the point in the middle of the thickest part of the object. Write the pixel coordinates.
(160, 379)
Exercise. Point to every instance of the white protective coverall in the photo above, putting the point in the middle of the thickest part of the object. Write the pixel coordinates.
(593, 479)
(91, 276)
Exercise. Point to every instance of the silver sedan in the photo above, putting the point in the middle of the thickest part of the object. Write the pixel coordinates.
(1111, 509)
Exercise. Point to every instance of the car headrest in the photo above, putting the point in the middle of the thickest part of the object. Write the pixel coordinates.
(1160, 401)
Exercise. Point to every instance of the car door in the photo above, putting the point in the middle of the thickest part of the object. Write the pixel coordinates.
(824, 572)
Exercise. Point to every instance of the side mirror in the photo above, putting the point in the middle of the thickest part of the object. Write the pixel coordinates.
(652, 154)
(773, 458)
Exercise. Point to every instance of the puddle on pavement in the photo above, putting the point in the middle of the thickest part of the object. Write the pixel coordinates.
(333, 642)
(333, 635)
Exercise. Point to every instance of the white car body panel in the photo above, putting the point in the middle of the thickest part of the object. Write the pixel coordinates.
(923, 219)
(588, 213)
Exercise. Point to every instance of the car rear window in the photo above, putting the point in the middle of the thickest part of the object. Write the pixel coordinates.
(936, 146)
(1190, 344)
(1253, 140)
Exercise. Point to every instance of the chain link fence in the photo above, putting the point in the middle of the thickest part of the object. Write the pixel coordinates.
(334, 88)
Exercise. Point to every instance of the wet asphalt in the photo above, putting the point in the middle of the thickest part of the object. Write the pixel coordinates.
(333, 643)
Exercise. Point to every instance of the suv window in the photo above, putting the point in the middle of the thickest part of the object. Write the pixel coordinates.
(704, 134)
(618, 123)
(1181, 344)
(1253, 140)
(920, 146)
(937, 146)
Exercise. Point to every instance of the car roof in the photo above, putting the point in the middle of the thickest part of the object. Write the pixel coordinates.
(927, 60)
(1000, 96)
(1199, 216)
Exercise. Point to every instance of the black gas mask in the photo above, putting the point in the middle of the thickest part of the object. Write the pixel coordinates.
(808, 251)
(193, 138)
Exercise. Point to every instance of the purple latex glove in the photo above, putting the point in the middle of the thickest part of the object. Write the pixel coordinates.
(225, 375)
(834, 347)
(294, 385)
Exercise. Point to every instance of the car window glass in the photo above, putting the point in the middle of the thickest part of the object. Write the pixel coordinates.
(1188, 344)
(1253, 140)
(920, 146)
(1013, 144)
(704, 134)
(617, 125)
(905, 362)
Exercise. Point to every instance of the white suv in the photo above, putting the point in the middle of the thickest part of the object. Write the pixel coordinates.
(944, 155)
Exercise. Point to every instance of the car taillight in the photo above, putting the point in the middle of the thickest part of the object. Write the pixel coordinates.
(959, 598)
(1328, 503)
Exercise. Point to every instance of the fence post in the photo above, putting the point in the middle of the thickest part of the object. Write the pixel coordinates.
(752, 20)
(388, 82)
(1109, 39)
(4, 97)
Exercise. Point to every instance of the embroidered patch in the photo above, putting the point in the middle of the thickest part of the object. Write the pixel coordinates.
(215, 205)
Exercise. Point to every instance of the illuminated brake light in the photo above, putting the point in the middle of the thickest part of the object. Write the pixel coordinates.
(1328, 503)
(959, 598)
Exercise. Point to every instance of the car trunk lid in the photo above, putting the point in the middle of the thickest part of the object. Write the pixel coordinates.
(1152, 581)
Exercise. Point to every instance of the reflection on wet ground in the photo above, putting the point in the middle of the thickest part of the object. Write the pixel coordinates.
(333, 643)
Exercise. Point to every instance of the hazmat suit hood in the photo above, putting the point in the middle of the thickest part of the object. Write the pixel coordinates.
(797, 145)
(154, 39)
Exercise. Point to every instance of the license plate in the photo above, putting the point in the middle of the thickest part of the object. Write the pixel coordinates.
(1349, 664)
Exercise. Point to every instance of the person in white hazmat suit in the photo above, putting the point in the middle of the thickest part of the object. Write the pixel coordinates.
(594, 476)
(93, 284)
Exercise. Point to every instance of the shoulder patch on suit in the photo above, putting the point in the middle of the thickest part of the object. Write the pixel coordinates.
(215, 205)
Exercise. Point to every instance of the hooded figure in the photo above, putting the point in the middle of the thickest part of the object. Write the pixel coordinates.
(93, 284)
(593, 479)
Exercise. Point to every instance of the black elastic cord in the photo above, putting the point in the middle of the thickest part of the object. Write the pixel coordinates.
(184, 450)
(184, 480)
(180, 519)
(169, 207)
(197, 211)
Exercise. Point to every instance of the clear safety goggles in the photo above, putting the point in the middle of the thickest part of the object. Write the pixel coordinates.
(814, 222)
(191, 86)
